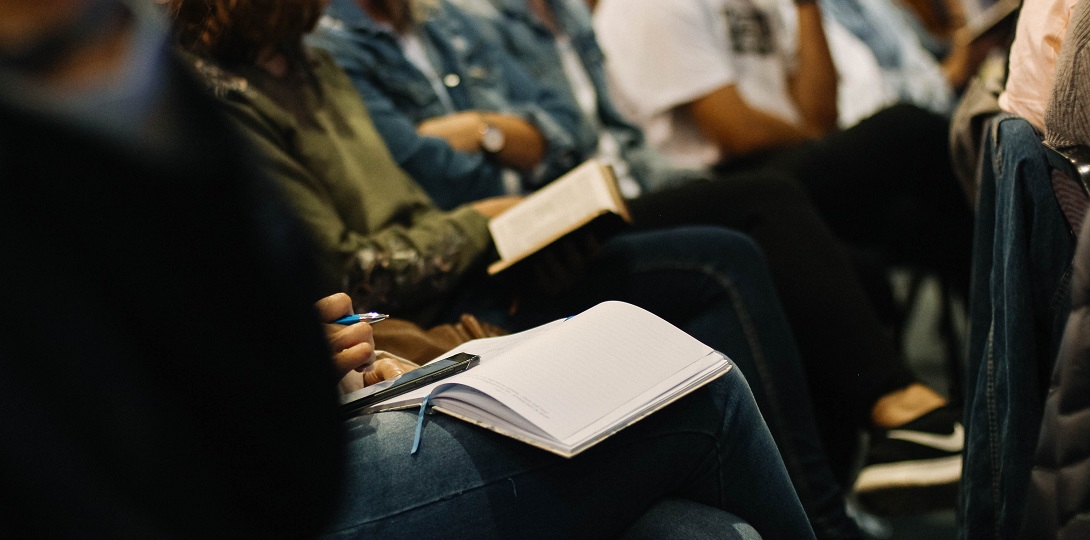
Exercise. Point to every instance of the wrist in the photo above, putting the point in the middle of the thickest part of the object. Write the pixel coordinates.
(490, 138)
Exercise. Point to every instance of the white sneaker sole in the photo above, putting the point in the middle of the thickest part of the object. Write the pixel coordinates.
(909, 474)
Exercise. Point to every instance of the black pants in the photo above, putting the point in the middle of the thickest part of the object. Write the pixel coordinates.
(849, 358)
(885, 184)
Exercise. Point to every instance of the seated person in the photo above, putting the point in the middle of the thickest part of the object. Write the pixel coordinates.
(856, 373)
(180, 384)
(531, 493)
(729, 84)
(881, 60)
(531, 131)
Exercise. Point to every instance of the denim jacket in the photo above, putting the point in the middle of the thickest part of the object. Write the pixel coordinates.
(533, 46)
(478, 77)
(907, 67)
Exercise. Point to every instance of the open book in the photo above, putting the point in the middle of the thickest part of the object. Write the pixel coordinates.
(585, 194)
(569, 384)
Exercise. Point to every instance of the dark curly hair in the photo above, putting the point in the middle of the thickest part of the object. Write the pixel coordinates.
(237, 31)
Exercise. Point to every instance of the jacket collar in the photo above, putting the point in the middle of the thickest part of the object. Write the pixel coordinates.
(564, 11)
(348, 14)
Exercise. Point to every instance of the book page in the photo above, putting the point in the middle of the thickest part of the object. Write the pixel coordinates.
(584, 369)
(554, 210)
(568, 384)
(473, 406)
(489, 349)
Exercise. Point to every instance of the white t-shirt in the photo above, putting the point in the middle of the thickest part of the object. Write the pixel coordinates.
(609, 149)
(663, 54)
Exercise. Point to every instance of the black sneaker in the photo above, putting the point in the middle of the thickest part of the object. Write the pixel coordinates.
(913, 468)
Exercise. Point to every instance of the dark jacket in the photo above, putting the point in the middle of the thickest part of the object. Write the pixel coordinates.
(1058, 498)
(382, 239)
(162, 374)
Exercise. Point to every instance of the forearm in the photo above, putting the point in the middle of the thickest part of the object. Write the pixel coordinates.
(813, 87)
(523, 149)
(401, 268)
(725, 118)
(399, 265)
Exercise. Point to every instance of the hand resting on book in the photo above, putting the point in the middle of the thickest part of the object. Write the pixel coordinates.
(495, 206)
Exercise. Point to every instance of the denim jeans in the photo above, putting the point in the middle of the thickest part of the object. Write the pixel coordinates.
(682, 519)
(711, 448)
(714, 284)
(1021, 257)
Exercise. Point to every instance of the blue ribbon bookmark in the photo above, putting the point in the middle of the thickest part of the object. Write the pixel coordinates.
(420, 425)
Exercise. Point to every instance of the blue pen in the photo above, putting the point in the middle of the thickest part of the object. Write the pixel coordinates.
(369, 318)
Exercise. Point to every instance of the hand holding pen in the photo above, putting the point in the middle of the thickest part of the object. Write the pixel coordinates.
(352, 345)
(357, 340)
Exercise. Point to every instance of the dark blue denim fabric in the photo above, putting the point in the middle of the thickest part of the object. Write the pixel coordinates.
(398, 97)
(678, 519)
(533, 45)
(711, 447)
(714, 284)
(1021, 257)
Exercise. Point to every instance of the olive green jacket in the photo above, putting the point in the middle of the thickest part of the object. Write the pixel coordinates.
(381, 237)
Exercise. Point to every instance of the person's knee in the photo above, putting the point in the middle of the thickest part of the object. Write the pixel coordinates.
(728, 250)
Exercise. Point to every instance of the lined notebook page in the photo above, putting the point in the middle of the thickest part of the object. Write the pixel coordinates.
(583, 369)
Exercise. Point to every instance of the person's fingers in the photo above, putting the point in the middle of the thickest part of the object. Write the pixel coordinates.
(353, 346)
(333, 307)
(342, 337)
(385, 369)
(358, 357)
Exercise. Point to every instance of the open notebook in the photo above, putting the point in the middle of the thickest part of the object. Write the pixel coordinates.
(569, 384)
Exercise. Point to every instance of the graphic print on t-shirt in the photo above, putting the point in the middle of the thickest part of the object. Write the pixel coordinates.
(750, 30)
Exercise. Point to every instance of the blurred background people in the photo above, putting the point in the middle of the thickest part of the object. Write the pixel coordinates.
(829, 312)
(161, 373)
(335, 168)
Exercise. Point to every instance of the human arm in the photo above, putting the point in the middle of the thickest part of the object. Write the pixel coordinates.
(401, 100)
(450, 177)
(687, 64)
(399, 262)
(543, 127)
(724, 117)
(523, 149)
(813, 85)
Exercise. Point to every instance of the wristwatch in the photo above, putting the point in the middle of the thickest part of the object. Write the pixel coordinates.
(492, 138)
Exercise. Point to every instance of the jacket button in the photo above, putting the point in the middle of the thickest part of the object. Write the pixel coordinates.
(452, 80)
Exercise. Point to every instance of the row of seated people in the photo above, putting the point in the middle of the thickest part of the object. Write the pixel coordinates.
(435, 82)
(166, 373)
(379, 236)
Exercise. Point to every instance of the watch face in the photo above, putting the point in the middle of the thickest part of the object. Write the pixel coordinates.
(492, 139)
